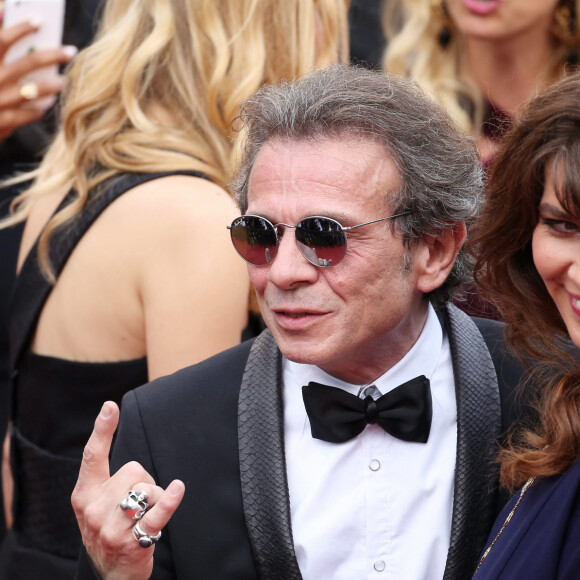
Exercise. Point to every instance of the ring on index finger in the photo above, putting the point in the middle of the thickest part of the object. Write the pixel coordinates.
(145, 540)
(135, 504)
(29, 90)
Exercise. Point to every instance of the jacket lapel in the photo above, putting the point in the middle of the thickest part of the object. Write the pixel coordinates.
(478, 427)
(262, 463)
(263, 467)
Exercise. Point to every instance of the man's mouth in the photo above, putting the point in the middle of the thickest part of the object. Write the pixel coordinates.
(296, 313)
(300, 314)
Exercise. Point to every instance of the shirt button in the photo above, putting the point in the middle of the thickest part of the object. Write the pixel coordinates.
(375, 465)
(379, 565)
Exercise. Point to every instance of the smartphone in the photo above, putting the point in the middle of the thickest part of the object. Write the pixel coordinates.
(50, 14)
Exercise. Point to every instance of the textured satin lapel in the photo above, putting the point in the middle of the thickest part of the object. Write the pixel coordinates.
(478, 427)
(262, 463)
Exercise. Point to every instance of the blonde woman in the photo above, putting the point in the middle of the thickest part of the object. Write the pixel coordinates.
(125, 269)
(482, 59)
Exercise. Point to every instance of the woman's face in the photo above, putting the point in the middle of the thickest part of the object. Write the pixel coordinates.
(501, 19)
(556, 249)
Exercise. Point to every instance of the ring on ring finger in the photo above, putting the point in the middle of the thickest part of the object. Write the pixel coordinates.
(29, 90)
(145, 540)
(135, 504)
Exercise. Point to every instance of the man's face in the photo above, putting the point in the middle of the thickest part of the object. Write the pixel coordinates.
(356, 319)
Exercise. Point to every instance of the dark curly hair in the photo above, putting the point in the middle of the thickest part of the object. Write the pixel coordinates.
(546, 138)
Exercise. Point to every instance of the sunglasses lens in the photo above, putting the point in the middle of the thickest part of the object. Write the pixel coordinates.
(254, 238)
(321, 240)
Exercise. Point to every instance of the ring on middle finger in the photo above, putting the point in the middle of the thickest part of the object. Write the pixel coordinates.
(135, 504)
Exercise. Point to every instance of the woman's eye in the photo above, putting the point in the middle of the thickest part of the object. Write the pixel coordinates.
(560, 226)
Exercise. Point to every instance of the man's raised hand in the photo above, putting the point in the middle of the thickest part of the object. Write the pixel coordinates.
(107, 530)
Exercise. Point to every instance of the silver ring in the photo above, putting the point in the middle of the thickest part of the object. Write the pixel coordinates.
(145, 540)
(135, 504)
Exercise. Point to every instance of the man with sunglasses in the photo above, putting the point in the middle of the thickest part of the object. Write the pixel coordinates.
(355, 438)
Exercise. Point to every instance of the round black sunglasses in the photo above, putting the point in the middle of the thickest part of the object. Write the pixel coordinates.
(321, 240)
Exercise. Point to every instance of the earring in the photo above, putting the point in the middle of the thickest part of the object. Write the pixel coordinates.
(441, 16)
(564, 24)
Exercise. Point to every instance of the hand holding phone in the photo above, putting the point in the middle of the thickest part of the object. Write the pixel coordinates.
(22, 98)
(48, 17)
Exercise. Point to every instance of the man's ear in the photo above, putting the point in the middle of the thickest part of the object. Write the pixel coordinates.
(436, 256)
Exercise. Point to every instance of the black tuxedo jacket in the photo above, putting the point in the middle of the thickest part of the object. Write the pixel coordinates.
(218, 426)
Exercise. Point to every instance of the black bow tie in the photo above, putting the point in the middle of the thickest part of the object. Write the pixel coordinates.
(337, 416)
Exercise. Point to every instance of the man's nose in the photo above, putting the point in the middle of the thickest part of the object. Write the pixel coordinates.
(290, 267)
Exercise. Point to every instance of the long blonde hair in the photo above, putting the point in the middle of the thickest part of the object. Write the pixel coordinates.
(414, 50)
(160, 86)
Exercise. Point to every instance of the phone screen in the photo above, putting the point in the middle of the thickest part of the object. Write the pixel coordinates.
(50, 15)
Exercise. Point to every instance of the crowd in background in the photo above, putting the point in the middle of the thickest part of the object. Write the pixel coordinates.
(148, 114)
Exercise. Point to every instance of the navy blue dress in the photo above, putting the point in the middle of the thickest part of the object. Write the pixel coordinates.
(542, 540)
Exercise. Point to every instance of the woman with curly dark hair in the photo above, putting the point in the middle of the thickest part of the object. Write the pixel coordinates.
(527, 248)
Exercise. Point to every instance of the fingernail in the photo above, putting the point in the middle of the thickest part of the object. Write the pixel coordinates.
(70, 50)
(174, 488)
(106, 411)
(35, 21)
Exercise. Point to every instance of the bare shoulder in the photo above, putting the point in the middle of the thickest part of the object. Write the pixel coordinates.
(178, 198)
(169, 213)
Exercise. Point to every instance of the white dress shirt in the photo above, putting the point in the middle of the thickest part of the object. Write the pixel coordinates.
(374, 507)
